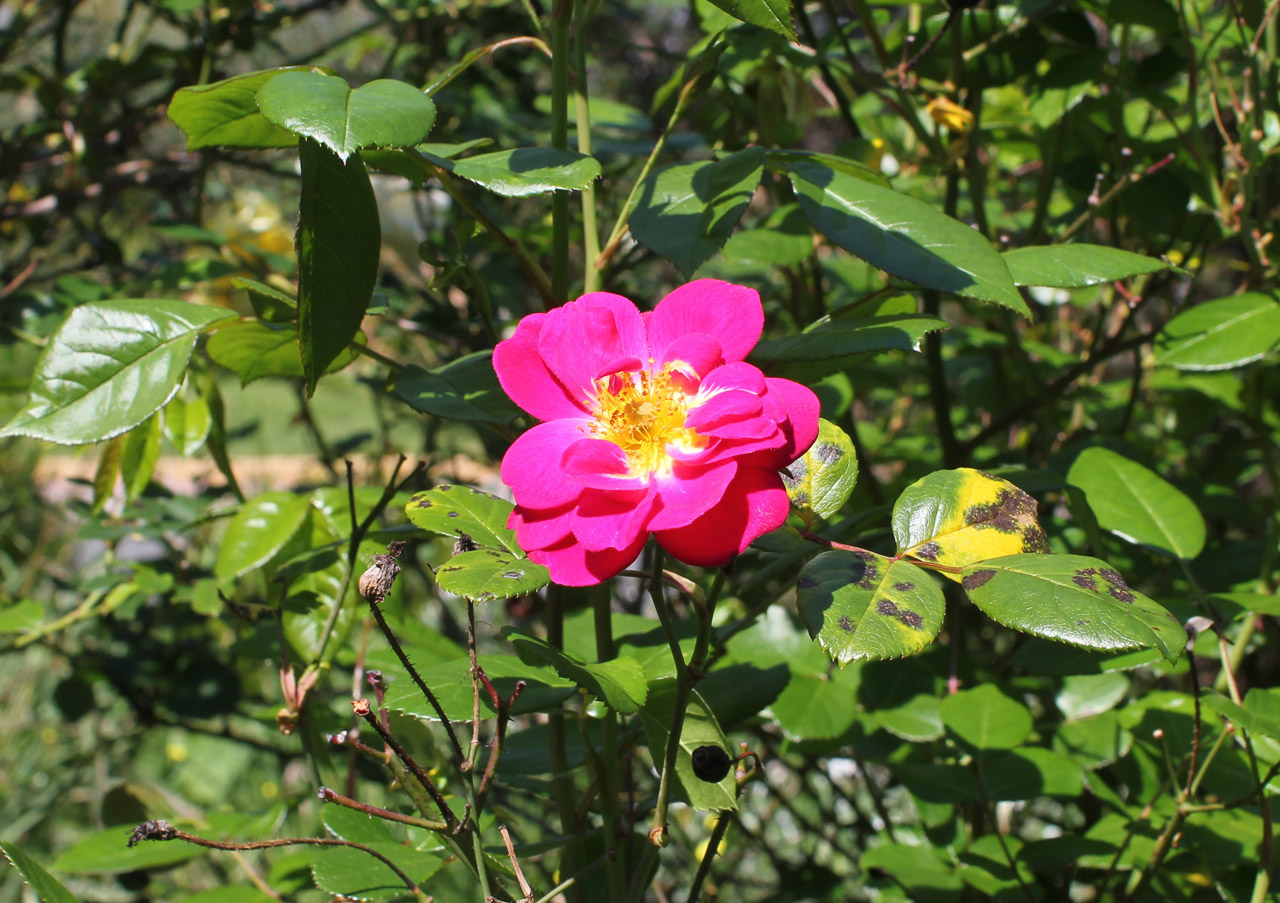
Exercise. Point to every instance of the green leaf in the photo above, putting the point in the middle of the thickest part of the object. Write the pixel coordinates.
(835, 339)
(253, 349)
(348, 824)
(1220, 334)
(1095, 741)
(816, 705)
(1032, 771)
(107, 852)
(268, 302)
(225, 113)
(138, 456)
(524, 171)
(259, 530)
(1260, 714)
(231, 893)
(339, 242)
(687, 211)
(957, 517)
(355, 875)
(451, 510)
(620, 682)
(324, 108)
(187, 424)
(1076, 265)
(917, 720)
(1073, 599)
(821, 480)
(920, 870)
(904, 236)
(450, 681)
(110, 366)
(986, 719)
(772, 15)
(485, 574)
(859, 605)
(107, 473)
(464, 389)
(21, 616)
(48, 888)
(783, 239)
(1086, 695)
(1136, 504)
(700, 729)
(985, 867)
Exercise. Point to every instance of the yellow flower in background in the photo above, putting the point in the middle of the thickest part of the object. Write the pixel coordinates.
(950, 115)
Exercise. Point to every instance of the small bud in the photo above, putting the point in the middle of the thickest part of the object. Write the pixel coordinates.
(1157, 734)
(360, 707)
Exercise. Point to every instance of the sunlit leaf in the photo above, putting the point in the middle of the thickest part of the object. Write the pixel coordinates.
(485, 574)
(451, 510)
(821, 480)
(1221, 334)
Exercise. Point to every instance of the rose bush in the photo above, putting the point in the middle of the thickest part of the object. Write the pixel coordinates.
(651, 423)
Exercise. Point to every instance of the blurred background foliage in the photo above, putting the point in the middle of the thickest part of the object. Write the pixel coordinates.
(134, 688)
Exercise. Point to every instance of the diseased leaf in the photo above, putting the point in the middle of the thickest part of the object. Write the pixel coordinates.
(110, 366)
(1076, 265)
(821, 480)
(1137, 504)
(957, 517)
(620, 682)
(485, 575)
(860, 605)
(339, 242)
(1073, 599)
(1221, 334)
(904, 236)
(451, 510)
(324, 108)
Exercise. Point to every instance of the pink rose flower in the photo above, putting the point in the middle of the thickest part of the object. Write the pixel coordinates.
(651, 423)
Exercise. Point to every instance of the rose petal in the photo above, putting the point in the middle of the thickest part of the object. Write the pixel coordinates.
(525, 378)
(753, 504)
(598, 464)
(613, 520)
(531, 466)
(572, 564)
(540, 529)
(582, 339)
(730, 313)
(798, 411)
(689, 491)
(692, 356)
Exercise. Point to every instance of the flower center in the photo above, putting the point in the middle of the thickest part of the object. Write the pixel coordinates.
(642, 413)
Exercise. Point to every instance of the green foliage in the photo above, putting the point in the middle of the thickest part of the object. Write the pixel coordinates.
(1016, 640)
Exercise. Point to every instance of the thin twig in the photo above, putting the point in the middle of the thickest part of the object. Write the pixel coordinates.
(362, 708)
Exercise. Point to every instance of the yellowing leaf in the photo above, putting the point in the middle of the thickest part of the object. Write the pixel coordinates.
(958, 517)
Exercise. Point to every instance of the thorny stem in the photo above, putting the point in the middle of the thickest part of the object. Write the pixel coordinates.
(362, 709)
(713, 844)
(162, 830)
(918, 562)
(470, 760)
(332, 796)
(688, 673)
(394, 642)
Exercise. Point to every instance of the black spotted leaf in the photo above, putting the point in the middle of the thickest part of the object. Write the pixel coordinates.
(1074, 599)
(957, 517)
(483, 575)
(860, 605)
(449, 510)
(822, 479)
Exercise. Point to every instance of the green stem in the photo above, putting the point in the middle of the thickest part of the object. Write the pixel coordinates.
(607, 762)
(713, 844)
(561, 781)
(561, 17)
(482, 870)
(590, 230)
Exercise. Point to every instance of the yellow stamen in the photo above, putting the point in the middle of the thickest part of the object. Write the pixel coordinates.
(642, 413)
